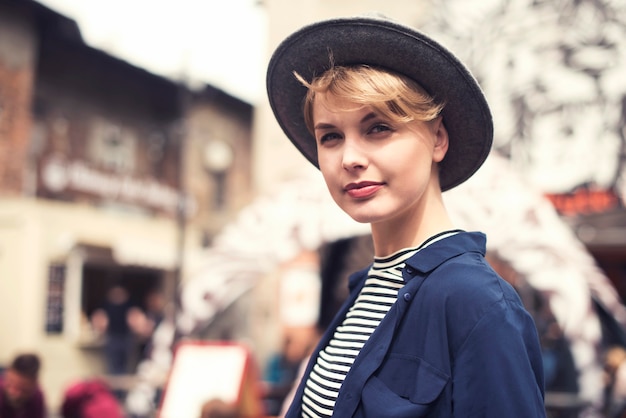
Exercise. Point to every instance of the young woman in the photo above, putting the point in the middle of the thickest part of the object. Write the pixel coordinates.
(392, 119)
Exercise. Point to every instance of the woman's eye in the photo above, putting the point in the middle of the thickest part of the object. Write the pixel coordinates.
(328, 137)
(380, 127)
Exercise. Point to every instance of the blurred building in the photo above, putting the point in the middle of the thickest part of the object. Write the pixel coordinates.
(108, 174)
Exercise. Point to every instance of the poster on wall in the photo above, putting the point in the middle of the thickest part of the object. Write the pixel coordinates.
(54, 308)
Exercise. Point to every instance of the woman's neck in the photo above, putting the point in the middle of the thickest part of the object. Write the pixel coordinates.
(410, 230)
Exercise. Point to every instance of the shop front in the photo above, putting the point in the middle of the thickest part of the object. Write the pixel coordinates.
(57, 261)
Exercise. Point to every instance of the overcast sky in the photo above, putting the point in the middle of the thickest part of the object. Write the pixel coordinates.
(221, 43)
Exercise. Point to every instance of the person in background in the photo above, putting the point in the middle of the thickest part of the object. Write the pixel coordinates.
(20, 394)
(118, 319)
(283, 368)
(145, 325)
(393, 119)
(217, 408)
(90, 398)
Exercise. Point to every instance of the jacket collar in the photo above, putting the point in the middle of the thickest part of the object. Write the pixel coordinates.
(432, 256)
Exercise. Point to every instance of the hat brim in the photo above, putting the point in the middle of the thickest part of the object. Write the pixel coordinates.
(382, 43)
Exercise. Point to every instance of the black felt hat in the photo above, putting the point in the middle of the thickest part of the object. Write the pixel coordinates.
(379, 42)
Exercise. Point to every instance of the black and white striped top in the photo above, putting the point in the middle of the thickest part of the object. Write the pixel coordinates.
(379, 292)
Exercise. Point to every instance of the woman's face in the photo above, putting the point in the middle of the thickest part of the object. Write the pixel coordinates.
(377, 170)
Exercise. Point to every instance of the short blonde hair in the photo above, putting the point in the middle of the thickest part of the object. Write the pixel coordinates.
(392, 95)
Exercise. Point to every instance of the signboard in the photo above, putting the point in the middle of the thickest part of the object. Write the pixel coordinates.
(205, 372)
(64, 177)
(585, 201)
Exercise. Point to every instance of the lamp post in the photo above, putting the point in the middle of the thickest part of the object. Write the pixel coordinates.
(218, 157)
(181, 212)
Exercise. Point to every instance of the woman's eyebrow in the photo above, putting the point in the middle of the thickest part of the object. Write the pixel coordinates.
(369, 116)
(323, 125)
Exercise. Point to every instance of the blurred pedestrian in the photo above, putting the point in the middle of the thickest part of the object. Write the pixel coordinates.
(393, 119)
(217, 408)
(90, 398)
(283, 367)
(116, 319)
(145, 325)
(20, 394)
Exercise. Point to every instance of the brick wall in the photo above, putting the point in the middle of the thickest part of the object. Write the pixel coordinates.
(17, 46)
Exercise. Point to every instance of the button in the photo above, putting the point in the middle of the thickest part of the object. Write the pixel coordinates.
(407, 296)
(409, 270)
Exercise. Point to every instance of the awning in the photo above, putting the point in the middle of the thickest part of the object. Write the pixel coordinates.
(601, 230)
(144, 252)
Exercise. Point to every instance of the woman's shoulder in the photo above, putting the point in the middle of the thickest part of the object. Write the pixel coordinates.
(470, 278)
(467, 288)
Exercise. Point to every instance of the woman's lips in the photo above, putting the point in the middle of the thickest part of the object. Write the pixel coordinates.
(363, 189)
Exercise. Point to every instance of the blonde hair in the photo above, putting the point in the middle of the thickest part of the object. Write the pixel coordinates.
(392, 95)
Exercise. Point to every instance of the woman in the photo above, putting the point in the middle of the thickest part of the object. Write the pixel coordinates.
(392, 119)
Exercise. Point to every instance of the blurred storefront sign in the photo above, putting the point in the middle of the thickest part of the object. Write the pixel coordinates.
(584, 201)
(71, 178)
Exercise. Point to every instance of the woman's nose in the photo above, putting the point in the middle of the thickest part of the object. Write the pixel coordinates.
(354, 156)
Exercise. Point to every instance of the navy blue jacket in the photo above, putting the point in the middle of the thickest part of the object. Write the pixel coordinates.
(457, 343)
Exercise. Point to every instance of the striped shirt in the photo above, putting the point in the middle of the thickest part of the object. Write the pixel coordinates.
(379, 292)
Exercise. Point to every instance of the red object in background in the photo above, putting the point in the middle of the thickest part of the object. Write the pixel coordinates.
(584, 200)
(90, 399)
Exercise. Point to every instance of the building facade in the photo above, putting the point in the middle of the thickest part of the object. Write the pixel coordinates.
(108, 175)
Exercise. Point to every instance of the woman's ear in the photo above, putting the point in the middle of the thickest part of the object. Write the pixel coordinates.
(441, 139)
